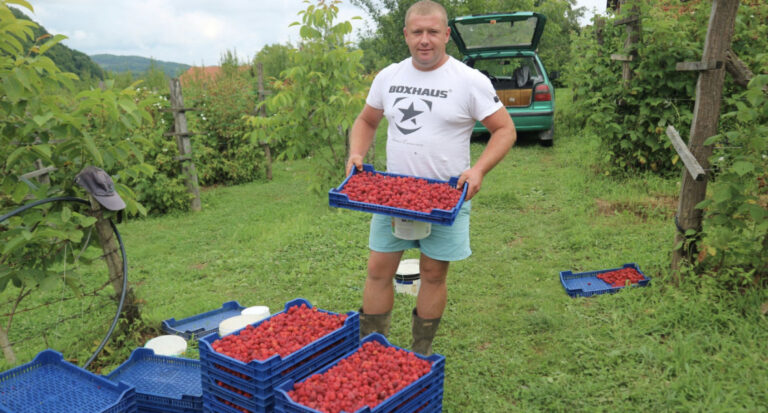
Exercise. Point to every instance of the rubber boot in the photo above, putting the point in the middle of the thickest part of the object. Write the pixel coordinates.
(374, 323)
(423, 331)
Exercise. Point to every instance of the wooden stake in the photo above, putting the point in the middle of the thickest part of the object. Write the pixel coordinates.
(185, 146)
(709, 90)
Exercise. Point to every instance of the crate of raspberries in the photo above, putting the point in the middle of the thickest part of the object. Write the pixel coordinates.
(585, 284)
(404, 196)
(240, 371)
(377, 377)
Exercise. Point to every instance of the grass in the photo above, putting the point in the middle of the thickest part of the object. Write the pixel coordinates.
(513, 340)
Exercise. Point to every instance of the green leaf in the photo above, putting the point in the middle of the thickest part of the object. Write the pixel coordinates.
(15, 242)
(66, 214)
(41, 120)
(743, 167)
(52, 42)
(11, 159)
(90, 145)
(19, 192)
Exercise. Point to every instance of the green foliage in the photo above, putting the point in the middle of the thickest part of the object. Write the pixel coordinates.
(318, 96)
(384, 44)
(736, 222)
(631, 119)
(66, 59)
(43, 118)
(224, 153)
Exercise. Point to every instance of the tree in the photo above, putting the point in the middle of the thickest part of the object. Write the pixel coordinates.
(318, 97)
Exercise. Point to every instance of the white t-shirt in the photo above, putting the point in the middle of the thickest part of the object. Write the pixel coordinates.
(431, 115)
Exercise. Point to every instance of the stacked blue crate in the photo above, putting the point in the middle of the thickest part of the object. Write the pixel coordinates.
(163, 383)
(425, 395)
(230, 385)
(49, 384)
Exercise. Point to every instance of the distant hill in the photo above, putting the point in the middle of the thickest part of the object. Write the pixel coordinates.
(66, 59)
(137, 64)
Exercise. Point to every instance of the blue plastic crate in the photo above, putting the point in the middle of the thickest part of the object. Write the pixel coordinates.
(49, 384)
(423, 395)
(586, 284)
(224, 377)
(165, 383)
(437, 216)
(201, 325)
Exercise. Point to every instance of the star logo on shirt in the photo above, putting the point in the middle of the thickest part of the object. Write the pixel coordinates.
(410, 108)
(410, 113)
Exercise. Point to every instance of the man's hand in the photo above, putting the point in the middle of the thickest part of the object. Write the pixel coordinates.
(474, 180)
(354, 161)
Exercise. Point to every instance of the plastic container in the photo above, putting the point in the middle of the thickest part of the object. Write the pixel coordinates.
(437, 216)
(410, 229)
(167, 345)
(586, 284)
(162, 383)
(251, 386)
(202, 324)
(237, 322)
(49, 384)
(259, 310)
(423, 395)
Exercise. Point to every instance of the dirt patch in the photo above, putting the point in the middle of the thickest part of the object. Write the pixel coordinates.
(515, 242)
(200, 266)
(650, 206)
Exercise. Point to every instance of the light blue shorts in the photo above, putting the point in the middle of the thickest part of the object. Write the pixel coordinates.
(444, 243)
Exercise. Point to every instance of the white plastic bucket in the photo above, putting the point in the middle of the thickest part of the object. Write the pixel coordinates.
(232, 324)
(407, 277)
(167, 345)
(410, 229)
(261, 311)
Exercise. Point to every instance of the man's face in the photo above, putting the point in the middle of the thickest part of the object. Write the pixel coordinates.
(426, 37)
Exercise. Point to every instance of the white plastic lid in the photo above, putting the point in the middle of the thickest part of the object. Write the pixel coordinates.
(259, 310)
(168, 345)
(237, 322)
(408, 267)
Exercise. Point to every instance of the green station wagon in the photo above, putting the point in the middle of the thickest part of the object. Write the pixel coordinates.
(503, 47)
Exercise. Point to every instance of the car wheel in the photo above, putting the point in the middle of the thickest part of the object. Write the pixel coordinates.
(546, 137)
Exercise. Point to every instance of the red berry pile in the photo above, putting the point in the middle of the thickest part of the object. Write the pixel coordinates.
(282, 334)
(618, 278)
(404, 192)
(366, 377)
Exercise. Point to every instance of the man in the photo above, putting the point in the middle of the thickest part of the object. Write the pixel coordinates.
(431, 101)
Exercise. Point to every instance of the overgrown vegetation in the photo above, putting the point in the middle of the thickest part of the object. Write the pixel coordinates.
(317, 98)
(630, 120)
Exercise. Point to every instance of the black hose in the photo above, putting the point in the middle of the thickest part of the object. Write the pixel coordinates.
(122, 252)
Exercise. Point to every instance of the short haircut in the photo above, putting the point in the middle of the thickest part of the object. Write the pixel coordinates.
(427, 8)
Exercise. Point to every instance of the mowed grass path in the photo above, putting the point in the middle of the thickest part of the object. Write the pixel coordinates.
(514, 341)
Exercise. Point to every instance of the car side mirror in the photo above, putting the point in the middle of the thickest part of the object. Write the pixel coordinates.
(554, 75)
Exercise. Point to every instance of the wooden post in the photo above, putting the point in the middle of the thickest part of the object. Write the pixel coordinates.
(263, 113)
(632, 21)
(709, 90)
(185, 146)
(114, 260)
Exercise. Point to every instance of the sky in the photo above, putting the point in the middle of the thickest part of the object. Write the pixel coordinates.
(193, 32)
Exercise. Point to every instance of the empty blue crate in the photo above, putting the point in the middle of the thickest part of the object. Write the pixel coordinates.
(50, 384)
(425, 395)
(230, 384)
(586, 284)
(438, 216)
(201, 325)
(162, 383)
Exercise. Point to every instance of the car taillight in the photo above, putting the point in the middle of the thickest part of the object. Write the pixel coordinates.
(541, 93)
